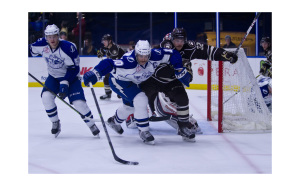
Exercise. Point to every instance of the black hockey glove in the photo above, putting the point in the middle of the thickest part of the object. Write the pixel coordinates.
(100, 53)
(230, 56)
(188, 65)
(265, 68)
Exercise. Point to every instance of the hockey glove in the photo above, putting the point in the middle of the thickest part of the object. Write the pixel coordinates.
(265, 67)
(100, 53)
(188, 65)
(90, 76)
(230, 56)
(269, 72)
(184, 76)
(63, 89)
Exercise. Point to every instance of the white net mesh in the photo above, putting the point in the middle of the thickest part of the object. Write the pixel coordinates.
(243, 106)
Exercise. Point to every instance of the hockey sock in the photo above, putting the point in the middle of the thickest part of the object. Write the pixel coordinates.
(83, 108)
(50, 106)
(142, 124)
(140, 103)
(183, 113)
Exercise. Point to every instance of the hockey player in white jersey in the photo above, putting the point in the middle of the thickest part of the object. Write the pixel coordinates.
(126, 75)
(63, 67)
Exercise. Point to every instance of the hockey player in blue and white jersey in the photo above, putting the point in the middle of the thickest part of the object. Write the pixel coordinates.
(126, 75)
(63, 67)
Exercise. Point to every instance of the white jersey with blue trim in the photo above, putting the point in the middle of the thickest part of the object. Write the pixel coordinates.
(128, 69)
(58, 60)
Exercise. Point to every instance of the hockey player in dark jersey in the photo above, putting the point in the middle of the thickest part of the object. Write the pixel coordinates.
(112, 51)
(189, 50)
(164, 79)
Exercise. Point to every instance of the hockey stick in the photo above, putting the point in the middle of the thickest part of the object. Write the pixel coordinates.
(161, 118)
(82, 116)
(248, 31)
(105, 129)
(237, 92)
(240, 45)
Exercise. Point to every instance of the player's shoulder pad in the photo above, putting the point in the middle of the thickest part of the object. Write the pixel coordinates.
(190, 44)
(128, 60)
(114, 47)
(158, 53)
(68, 47)
(40, 42)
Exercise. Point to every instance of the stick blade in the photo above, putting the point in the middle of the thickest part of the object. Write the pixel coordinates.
(126, 162)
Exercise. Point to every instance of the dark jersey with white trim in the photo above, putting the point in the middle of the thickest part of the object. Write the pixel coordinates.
(192, 50)
(114, 52)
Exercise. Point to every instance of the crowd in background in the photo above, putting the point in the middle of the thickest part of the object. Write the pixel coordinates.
(127, 28)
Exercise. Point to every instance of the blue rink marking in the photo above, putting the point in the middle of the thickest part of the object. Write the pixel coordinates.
(207, 128)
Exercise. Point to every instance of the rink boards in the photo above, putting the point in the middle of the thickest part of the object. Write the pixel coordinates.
(37, 66)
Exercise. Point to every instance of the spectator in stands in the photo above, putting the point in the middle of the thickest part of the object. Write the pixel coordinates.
(64, 31)
(88, 48)
(229, 44)
(63, 36)
(131, 46)
(75, 31)
(202, 38)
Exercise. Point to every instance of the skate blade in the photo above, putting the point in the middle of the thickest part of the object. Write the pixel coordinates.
(55, 135)
(114, 129)
(188, 139)
(198, 131)
(150, 142)
(105, 99)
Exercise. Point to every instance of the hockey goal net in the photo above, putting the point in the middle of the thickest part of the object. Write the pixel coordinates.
(234, 97)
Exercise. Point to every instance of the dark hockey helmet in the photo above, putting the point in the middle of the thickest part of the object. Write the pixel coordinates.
(179, 33)
(107, 37)
(265, 39)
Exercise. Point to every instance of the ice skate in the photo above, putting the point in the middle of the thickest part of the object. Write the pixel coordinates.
(147, 137)
(196, 127)
(94, 129)
(187, 132)
(105, 97)
(56, 128)
(130, 122)
(116, 127)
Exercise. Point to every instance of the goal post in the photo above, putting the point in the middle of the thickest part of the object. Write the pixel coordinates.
(234, 98)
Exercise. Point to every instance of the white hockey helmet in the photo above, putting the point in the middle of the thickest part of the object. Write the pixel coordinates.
(143, 48)
(51, 30)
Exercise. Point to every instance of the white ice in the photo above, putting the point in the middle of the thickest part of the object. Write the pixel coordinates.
(76, 151)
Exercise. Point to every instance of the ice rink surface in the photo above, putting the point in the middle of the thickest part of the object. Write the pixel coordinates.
(77, 151)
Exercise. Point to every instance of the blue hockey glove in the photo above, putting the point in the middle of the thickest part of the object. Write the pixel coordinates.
(88, 77)
(63, 90)
(184, 76)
